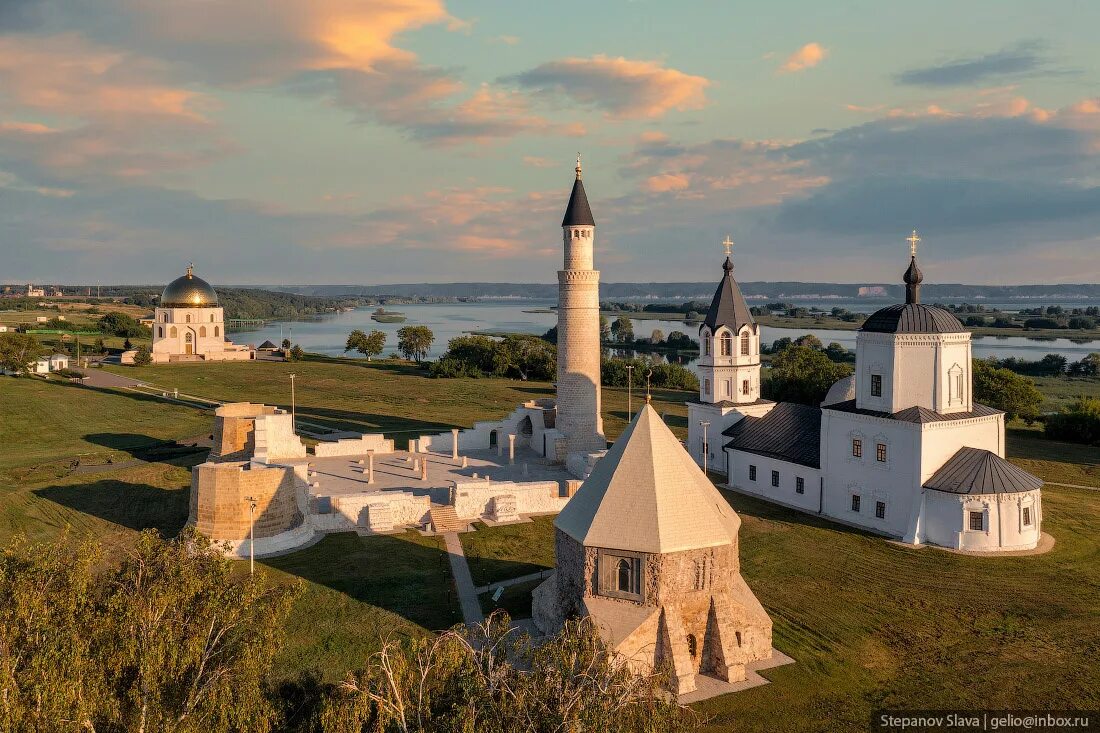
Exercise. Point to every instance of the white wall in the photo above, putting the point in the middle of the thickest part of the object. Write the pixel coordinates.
(471, 498)
(202, 321)
(786, 492)
(916, 370)
(369, 442)
(720, 419)
(948, 520)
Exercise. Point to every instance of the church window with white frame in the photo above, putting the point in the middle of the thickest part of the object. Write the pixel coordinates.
(855, 502)
(752, 473)
(799, 485)
(977, 521)
(880, 452)
(876, 385)
(745, 389)
(745, 344)
(880, 510)
(706, 386)
(706, 343)
(857, 448)
(775, 478)
(729, 388)
(1027, 516)
(727, 345)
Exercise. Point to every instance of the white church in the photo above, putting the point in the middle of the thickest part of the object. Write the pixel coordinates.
(900, 448)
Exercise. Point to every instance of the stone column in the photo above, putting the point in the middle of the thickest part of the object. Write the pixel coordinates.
(370, 468)
(511, 448)
(424, 470)
(454, 444)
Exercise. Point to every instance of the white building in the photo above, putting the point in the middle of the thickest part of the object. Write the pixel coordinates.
(188, 325)
(900, 448)
(51, 363)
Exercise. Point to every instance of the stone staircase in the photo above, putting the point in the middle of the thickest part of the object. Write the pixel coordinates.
(443, 519)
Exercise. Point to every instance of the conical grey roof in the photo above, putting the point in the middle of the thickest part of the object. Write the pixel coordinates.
(728, 307)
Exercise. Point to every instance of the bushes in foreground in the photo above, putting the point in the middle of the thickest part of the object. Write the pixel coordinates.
(1079, 423)
(175, 638)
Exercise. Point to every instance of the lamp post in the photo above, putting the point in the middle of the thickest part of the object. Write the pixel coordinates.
(251, 534)
(629, 393)
(293, 414)
(706, 446)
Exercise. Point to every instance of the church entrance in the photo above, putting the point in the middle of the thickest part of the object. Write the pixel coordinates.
(189, 347)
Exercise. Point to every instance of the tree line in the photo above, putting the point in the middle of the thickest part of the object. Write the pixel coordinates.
(169, 636)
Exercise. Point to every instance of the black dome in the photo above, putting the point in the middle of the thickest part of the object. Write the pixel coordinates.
(912, 318)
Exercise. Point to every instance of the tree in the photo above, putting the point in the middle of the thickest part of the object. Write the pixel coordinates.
(605, 329)
(810, 341)
(296, 353)
(836, 352)
(1090, 365)
(415, 341)
(126, 345)
(169, 639)
(1006, 390)
(120, 324)
(143, 357)
(286, 344)
(1079, 423)
(657, 337)
(802, 374)
(18, 351)
(368, 345)
(622, 330)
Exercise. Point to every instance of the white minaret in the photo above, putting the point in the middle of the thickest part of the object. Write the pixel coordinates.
(578, 403)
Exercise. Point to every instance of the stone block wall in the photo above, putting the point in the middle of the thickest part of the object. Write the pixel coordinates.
(234, 424)
(369, 442)
(473, 499)
(219, 506)
(405, 508)
(275, 438)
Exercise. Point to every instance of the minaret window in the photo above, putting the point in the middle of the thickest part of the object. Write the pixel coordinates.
(727, 345)
(160, 331)
(216, 331)
(202, 331)
(188, 317)
(744, 344)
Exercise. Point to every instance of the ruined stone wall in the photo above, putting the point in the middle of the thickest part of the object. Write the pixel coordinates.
(219, 506)
(575, 568)
(234, 430)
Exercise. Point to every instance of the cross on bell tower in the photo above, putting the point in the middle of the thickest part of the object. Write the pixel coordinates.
(913, 241)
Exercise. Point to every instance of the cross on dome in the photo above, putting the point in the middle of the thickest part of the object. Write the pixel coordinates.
(913, 241)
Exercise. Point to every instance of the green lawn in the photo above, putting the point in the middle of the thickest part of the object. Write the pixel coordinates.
(502, 553)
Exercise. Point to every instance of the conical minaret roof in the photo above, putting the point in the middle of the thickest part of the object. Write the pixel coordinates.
(648, 495)
(578, 213)
(728, 307)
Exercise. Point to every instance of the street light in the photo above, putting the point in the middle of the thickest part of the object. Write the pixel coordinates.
(251, 534)
(629, 394)
(293, 414)
(706, 446)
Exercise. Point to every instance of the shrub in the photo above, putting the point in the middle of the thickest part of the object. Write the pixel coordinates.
(143, 357)
(1079, 423)
(802, 374)
(1005, 390)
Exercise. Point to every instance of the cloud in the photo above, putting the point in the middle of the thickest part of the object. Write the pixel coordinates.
(666, 182)
(506, 40)
(1024, 59)
(804, 58)
(622, 88)
(536, 161)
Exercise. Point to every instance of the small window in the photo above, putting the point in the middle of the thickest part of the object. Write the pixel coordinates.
(202, 331)
(706, 386)
(160, 331)
(216, 331)
(706, 344)
(624, 583)
(855, 502)
(211, 317)
(727, 345)
(876, 385)
(799, 485)
(977, 521)
(172, 333)
(752, 473)
(744, 344)
(775, 478)
(1027, 516)
(188, 317)
(188, 337)
(880, 452)
(693, 646)
(880, 510)
(744, 386)
(729, 388)
(857, 447)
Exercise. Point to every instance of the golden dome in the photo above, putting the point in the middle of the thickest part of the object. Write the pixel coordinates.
(188, 292)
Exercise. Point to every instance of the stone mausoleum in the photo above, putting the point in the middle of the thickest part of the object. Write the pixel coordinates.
(648, 549)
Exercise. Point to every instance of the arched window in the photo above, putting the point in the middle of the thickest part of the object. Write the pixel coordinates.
(623, 574)
(173, 333)
(727, 345)
(745, 344)
(187, 337)
(160, 331)
(211, 317)
(188, 317)
(706, 343)
(216, 331)
(202, 331)
(693, 646)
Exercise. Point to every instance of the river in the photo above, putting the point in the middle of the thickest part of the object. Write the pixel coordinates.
(327, 335)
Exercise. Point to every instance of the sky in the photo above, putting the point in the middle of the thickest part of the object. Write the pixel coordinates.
(365, 142)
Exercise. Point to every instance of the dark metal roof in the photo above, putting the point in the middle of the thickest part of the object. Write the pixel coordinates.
(790, 432)
(912, 318)
(914, 414)
(730, 403)
(267, 345)
(578, 213)
(977, 471)
(728, 307)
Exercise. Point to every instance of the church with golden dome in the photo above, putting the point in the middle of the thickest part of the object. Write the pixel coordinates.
(189, 325)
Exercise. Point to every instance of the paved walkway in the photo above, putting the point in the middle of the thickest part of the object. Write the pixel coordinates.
(102, 378)
(464, 584)
(1072, 486)
(514, 581)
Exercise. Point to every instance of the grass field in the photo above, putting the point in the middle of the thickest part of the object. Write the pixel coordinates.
(871, 624)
